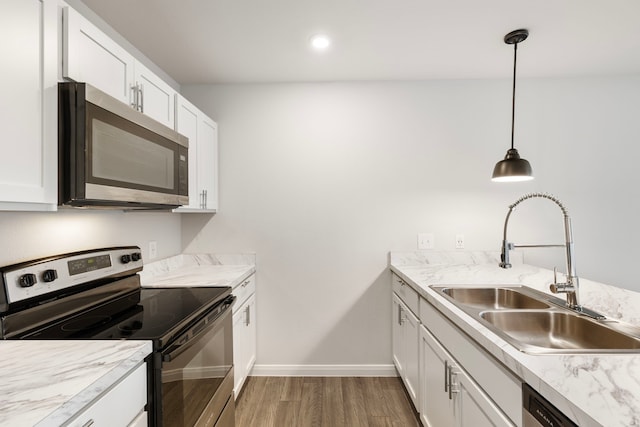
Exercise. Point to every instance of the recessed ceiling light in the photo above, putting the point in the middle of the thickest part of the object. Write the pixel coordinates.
(320, 42)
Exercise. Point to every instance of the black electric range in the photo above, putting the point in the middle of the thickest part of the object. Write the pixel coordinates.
(97, 295)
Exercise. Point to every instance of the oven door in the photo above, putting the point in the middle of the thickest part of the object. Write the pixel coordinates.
(197, 373)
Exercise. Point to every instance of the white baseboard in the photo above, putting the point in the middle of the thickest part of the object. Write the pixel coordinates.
(324, 371)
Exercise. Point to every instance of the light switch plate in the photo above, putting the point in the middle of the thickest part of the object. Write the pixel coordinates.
(153, 249)
(459, 241)
(426, 241)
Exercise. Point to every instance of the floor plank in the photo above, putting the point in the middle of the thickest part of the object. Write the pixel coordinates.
(324, 402)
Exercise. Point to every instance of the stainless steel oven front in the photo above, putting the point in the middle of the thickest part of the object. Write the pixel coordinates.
(196, 374)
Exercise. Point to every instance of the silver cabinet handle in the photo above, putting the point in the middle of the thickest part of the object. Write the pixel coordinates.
(400, 314)
(245, 283)
(205, 199)
(247, 316)
(451, 390)
(446, 370)
(141, 104)
(134, 96)
(88, 423)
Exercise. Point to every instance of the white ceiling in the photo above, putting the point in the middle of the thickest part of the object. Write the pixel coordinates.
(224, 41)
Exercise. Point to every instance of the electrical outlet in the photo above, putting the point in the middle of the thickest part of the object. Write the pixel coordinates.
(459, 241)
(153, 249)
(426, 241)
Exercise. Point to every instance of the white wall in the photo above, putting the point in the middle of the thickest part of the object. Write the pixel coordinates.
(30, 235)
(323, 180)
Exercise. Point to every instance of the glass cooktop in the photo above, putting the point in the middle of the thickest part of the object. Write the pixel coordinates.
(145, 314)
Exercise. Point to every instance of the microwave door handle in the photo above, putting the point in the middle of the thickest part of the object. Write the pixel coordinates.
(175, 350)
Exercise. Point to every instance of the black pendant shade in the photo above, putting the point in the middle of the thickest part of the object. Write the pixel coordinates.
(513, 167)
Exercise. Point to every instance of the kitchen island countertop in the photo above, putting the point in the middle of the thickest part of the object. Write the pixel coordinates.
(45, 383)
(593, 389)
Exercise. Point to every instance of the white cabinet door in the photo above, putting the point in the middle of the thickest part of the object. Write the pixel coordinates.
(28, 165)
(449, 396)
(397, 335)
(436, 408)
(203, 156)
(244, 342)
(91, 56)
(208, 162)
(239, 352)
(156, 98)
(405, 331)
(187, 124)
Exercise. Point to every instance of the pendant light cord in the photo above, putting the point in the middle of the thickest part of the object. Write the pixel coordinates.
(513, 97)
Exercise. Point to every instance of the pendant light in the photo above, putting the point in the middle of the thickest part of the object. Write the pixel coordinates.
(513, 167)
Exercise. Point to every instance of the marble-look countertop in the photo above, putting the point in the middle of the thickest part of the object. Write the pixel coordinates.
(592, 389)
(45, 383)
(194, 270)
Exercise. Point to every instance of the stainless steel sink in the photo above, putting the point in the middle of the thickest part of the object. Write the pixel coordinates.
(558, 330)
(538, 323)
(494, 298)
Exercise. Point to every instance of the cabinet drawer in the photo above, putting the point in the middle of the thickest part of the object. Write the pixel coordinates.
(120, 405)
(243, 291)
(406, 293)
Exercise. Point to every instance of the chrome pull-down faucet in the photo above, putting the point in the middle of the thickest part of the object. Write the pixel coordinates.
(571, 286)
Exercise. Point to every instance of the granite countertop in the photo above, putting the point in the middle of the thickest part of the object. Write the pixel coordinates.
(194, 270)
(592, 389)
(45, 383)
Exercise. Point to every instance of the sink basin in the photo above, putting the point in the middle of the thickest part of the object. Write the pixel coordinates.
(559, 330)
(494, 298)
(538, 323)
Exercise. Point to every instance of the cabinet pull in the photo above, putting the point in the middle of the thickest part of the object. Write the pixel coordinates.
(204, 206)
(400, 317)
(141, 104)
(88, 423)
(134, 96)
(451, 390)
(245, 283)
(247, 315)
(446, 370)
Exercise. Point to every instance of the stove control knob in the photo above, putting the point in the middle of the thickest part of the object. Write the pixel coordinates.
(126, 259)
(49, 275)
(136, 256)
(27, 280)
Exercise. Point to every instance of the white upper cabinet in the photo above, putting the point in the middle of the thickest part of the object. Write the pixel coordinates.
(28, 166)
(203, 156)
(90, 56)
(155, 96)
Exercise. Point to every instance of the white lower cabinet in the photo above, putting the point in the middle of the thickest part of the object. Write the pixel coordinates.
(448, 395)
(122, 405)
(405, 332)
(451, 380)
(244, 332)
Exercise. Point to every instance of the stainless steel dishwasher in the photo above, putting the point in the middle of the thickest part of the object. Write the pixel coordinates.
(538, 411)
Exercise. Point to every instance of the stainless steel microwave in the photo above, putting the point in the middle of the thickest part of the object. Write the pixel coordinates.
(112, 156)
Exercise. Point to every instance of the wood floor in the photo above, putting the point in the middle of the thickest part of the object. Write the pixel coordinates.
(324, 401)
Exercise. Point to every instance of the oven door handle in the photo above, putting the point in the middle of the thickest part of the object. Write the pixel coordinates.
(196, 331)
